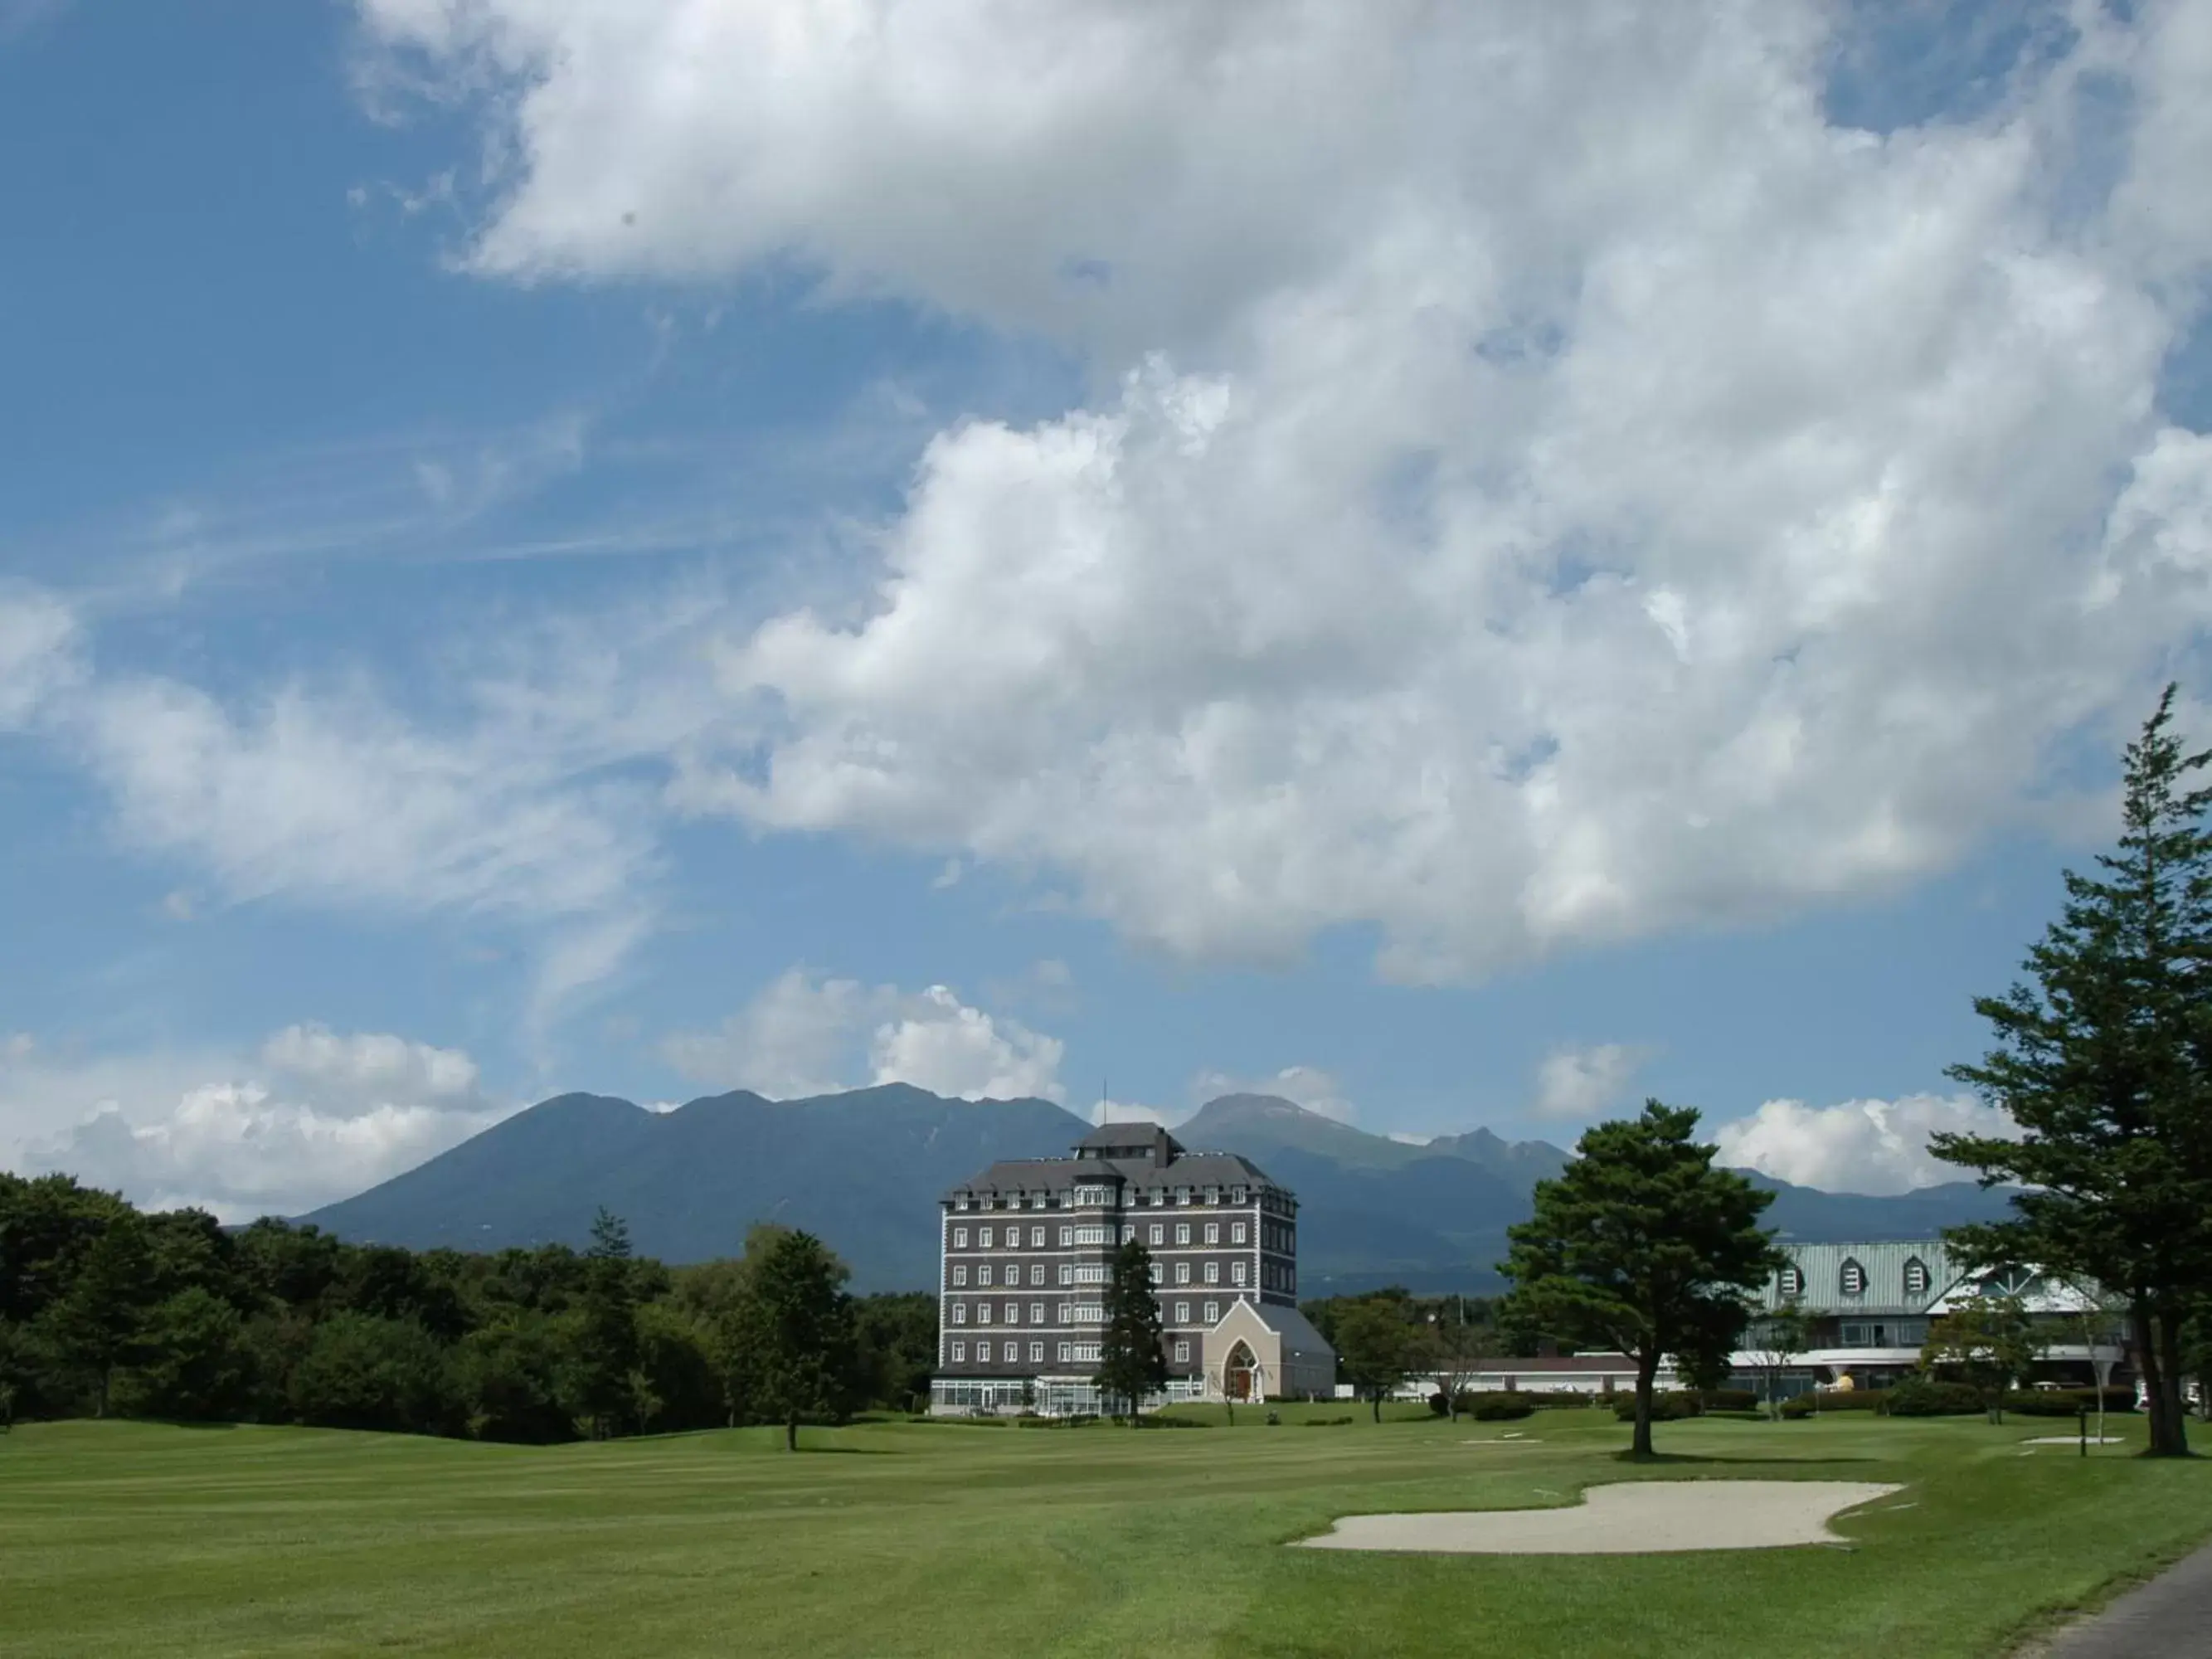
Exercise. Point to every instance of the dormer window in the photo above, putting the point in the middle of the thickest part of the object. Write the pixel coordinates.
(1853, 1279)
(1793, 1281)
(1917, 1277)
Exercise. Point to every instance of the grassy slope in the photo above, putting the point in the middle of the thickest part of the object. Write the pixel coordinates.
(138, 1539)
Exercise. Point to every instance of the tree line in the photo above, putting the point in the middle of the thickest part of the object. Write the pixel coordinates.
(107, 1311)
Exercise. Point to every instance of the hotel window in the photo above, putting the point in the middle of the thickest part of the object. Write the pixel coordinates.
(1237, 1272)
(1182, 1353)
(1036, 1353)
(1213, 1194)
(960, 1204)
(1067, 1236)
(959, 1275)
(1064, 1348)
(1063, 1314)
(1237, 1234)
(1793, 1281)
(1214, 1313)
(1853, 1279)
(1183, 1313)
(1036, 1272)
(959, 1238)
(1916, 1277)
(960, 1313)
(1213, 1232)
(1036, 1313)
(1129, 1233)
(960, 1353)
(1159, 1234)
(983, 1353)
(1159, 1273)
(1240, 1195)
(984, 1238)
(1066, 1272)
(1182, 1194)
(1182, 1232)
(1037, 1238)
(1213, 1273)
(1182, 1272)
(983, 1273)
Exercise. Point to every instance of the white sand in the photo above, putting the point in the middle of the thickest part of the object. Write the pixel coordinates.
(2070, 1440)
(1630, 1517)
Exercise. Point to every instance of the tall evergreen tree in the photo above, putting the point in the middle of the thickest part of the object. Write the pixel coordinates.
(1642, 1245)
(798, 1333)
(608, 1352)
(98, 1324)
(1133, 1357)
(2106, 1064)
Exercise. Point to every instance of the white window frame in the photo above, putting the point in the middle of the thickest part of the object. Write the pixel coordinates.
(983, 1238)
(983, 1272)
(960, 1353)
(1159, 1234)
(959, 1238)
(1213, 1273)
(1214, 1313)
(1213, 1232)
(960, 1274)
(1182, 1272)
(1237, 1272)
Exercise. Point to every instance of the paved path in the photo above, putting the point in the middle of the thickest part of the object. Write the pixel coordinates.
(2169, 1618)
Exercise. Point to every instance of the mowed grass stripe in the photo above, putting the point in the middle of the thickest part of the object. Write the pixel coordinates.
(896, 1539)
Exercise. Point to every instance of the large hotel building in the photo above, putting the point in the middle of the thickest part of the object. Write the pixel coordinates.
(1025, 1252)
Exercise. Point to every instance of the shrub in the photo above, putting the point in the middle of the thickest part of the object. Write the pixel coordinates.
(1440, 1403)
(1546, 1399)
(1729, 1400)
(1501, 1408)
(1667, 1407)
(1850, 1399)
(1921, 1398)
(1328, 1422)
(1797, 1407)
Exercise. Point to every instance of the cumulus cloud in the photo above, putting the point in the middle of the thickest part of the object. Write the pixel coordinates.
(1584, 1082)
(807, 1035)
(1547, 483)
(1302, 1085)
(1878, 1146)
(313, 1116)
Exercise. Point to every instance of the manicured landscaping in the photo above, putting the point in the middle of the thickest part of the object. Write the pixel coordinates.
(881, 1539)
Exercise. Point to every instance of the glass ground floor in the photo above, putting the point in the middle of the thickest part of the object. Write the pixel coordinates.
(1042, 1397)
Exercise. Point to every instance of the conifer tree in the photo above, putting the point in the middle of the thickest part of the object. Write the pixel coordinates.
(1133, 1358)
(1643, 1246)
(608, 1353)
(2104, 1062)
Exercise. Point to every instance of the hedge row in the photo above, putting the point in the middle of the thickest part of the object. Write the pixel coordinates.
(1920, 1397)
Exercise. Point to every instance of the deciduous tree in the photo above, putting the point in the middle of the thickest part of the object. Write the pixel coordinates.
(798, 1333)
(1377, 1346)
(1990, 1342)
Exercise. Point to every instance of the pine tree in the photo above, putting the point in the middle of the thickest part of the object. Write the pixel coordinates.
(607, 1355)
(98, 1324)
(2105, 1064)
(1641, 1245)
(1132, 1359)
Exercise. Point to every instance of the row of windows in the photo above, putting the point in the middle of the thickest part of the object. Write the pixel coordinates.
(1157, 1196)
(1009, 1354)
(1068, 1313)
(1274, 1277)
(1851, 1279)
(1279, 1237)
(1071, 1353)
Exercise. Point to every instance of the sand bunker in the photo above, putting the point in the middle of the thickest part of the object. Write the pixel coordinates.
(1632, 1517)
(2071, 1440)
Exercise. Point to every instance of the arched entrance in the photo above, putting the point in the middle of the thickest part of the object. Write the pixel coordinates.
(1240, 1374)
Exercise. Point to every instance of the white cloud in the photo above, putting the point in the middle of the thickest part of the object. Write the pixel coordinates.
(939, 1043)
(1302, 1085)
(38, 636)
(1860, 1146)
(314, 1116)
(797, 1038)
(803, 1035)
(1128, 1111)
(1549, 485)
(1583, 1081)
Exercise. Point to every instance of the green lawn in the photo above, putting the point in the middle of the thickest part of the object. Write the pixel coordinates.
(944, 1539)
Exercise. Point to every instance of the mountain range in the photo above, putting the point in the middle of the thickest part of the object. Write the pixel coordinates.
(863, 1169)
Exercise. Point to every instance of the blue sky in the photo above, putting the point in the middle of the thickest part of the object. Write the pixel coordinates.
(650, 551)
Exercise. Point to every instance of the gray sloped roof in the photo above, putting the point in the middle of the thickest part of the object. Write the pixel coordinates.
(1055, 1175)
(1297, 1331)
